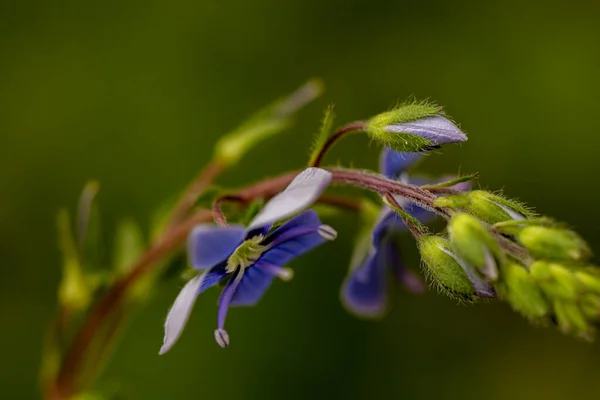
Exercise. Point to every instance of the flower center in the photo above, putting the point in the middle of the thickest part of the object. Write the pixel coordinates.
(246, 254)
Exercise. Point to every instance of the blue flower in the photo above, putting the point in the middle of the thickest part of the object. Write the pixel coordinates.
(365, 290)
(248, 259)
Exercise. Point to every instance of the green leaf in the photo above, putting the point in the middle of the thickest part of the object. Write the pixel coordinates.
(74, 292)
(324, 133)
(453, 182)
(267, 122)
(129, 245)
(88, 227)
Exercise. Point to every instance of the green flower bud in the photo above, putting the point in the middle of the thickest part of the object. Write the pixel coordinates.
(522, 292)
(474, 244)
(590, 306)
(589, 279)
(555, 280)
(554, 244)
(570, 317)
(486, 206)
(452, 274)
(414, 127)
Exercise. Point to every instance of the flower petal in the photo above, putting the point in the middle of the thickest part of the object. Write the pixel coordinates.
(209, 244)
(294, 238)
(254, 283)
(393, 163)
(364, 291)
(221, 335)
(437, 129)
(410, 280)
(304, 190)
(182, 307)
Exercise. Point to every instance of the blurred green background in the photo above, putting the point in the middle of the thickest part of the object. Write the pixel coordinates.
(135, 94)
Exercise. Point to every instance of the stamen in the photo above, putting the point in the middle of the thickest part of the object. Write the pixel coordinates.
(285, 274)
(222, 338)
(327, 232)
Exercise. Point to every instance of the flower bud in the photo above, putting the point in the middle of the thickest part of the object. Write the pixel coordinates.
(453, 275)
(555, 280)
(570, 318)
(486, 206)
(522, 292)
(413, 128)
(554, 244)
(474, 244)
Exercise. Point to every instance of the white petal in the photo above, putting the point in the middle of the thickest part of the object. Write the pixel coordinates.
(304, 190)
(180, 312)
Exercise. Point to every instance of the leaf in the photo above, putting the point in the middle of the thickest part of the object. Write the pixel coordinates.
(324, 133)
(265, 123)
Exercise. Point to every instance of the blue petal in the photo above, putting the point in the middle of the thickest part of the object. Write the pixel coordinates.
(227, 295)
(393, 163)
(364, 291)
(254, 283)
(292, 239)
(409, 279)
(209, 245)
(212, 277)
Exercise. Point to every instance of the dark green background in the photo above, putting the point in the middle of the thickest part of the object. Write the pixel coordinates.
(135, 94)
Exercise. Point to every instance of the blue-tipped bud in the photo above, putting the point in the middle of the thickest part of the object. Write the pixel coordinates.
(486, 206)
(474, 244)
(452, 274)
(413, 128)
(222, 338)
(554, 244)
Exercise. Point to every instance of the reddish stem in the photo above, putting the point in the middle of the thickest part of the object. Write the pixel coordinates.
(337, 135)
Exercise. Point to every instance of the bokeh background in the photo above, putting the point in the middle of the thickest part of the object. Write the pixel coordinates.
(135, 94)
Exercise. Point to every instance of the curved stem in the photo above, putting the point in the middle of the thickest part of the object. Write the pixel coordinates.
(337, 135)
(194, 190)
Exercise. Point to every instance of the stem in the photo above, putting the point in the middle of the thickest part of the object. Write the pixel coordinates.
(217, 211)
(411, 223)
(383, 186)
(194, 190)
(337, 135)
(64, 385)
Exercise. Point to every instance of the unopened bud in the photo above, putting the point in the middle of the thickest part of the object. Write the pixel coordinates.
(555, 280)
(453, 275)
(413, 128)
(522, 292)
(554, 244)
(474, 244)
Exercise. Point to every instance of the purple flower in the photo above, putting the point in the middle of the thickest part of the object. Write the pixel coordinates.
(365, 290)
(248, 259)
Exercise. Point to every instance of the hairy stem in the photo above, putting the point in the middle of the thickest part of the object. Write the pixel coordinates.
(337, 135)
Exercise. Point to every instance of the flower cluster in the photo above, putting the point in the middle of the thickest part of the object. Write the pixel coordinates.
(492, 247)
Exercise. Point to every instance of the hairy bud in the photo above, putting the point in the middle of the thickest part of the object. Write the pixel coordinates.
(554, 244)
(486, 206)
(474, 244)
(522, 292)
(453, 275)
(413, 128)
